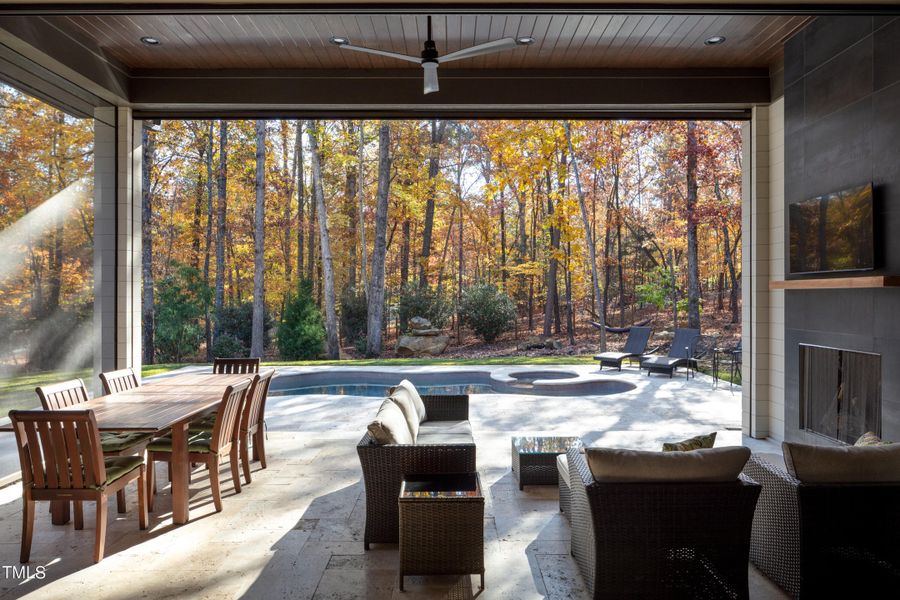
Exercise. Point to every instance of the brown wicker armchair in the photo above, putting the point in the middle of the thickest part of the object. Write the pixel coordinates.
(825, 540)
(661, 540)
(384, 466)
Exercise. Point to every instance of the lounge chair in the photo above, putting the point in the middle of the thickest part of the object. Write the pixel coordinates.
(635, 347)
(681, 353)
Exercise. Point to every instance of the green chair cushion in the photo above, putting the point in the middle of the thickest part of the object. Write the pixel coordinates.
(206, 424)
(198, 442)
(119, 466)
(113, 441)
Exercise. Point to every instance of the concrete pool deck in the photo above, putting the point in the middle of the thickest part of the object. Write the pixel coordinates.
(296, 530)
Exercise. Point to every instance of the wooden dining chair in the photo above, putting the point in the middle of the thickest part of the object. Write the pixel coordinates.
(118, 381)
(61, 459)
(235, 366)
(252, 425)
(126, 443)
(207, 447)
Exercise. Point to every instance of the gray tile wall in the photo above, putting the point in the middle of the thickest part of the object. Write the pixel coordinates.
(842, 128)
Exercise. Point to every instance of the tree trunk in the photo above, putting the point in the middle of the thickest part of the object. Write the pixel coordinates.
(332, 346)
(620, 258)
(551, 304)
(199, 194)
(290, 176)
(434, 166)
(673, 284)
(732, 276)
(351, 209)
(301, 195)
(570, 312)
(312, 239)
(147, 322)
(361, 214)
(376, 291)
(692, 258)
(221, 210)
(257, 341)
(209, 234)
(502, 239)
(595, 278)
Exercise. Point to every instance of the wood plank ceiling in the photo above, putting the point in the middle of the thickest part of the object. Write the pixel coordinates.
(295, 41)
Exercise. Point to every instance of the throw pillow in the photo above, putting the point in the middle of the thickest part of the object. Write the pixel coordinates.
(694, 443)
(406, 387)
(405, 402)
(869, 438)
(629, 466)
(389, 426)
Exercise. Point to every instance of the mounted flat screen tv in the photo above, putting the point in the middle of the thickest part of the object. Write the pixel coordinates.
(832, 233)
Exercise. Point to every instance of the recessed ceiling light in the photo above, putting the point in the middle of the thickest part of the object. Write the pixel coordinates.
(149, 41)
(339, 41)
(525, 40)
(715, 40)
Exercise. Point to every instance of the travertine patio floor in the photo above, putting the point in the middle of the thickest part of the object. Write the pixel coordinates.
(296, 530)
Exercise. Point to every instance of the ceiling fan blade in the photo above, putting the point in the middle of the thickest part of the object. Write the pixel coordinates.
(486, 48)
(385, 53)
(431, 77)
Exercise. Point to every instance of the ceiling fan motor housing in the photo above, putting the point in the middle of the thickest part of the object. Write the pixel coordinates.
(430, 53)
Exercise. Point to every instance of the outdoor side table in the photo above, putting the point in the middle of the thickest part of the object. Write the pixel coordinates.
(534, 458)
(441, 525)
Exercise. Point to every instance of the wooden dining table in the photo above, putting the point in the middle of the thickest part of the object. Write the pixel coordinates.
(170, 403)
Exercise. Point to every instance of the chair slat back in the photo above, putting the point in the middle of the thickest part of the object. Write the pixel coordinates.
(59, 449)
(62, 395)
(638, 338)
(683, 343)
(119, 381)
(235, 366)
(255, 405)
(225, 430)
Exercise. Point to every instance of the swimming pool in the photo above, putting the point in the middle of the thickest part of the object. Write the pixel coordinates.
(375, 384)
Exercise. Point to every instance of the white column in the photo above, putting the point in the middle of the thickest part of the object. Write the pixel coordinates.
(117, 239)
(763, 262)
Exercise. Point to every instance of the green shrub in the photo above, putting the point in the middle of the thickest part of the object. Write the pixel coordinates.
(301, 334)
(228, 346)
(237, 321)
(181, 299)
(424, 302)
(354, 315)
(486, 310)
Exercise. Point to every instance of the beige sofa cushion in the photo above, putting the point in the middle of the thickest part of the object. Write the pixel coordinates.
(405, 403)
(389, 426)
(406, 387)
(610, 465)
(842, 464)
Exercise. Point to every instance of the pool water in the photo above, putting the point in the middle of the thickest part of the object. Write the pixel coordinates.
(373, 390)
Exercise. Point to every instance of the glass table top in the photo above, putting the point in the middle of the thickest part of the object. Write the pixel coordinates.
(444, 485)
(545, 444)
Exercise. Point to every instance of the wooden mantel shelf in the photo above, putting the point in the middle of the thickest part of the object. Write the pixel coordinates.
(836, 283)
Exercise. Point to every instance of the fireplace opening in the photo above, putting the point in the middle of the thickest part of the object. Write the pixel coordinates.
(840, 392)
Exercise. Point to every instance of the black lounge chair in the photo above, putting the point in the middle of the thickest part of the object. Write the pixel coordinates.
(635, 347)
(681, 353)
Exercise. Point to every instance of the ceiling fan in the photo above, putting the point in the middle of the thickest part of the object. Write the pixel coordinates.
(430, 58)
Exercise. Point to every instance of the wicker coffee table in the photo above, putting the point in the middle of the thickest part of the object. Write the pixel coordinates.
(441, 525)
(534, 458)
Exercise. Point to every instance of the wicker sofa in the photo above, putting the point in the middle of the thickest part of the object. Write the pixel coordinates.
(444, 445)
(660, 540)
(825, 540)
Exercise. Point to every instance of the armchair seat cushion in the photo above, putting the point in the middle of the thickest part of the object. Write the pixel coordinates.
(662, 362)
(609, 465)
(694, 443)
(562, 466)
(119, 466)
(453, 427)
(613, 356)
(440, 438)
(115, 441)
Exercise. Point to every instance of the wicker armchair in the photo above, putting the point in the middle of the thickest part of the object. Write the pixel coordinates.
(825, 540)
(383, 467)
(661, 540)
